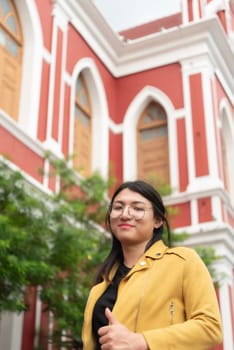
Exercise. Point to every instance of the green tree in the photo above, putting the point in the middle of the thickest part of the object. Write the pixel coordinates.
(52, 241)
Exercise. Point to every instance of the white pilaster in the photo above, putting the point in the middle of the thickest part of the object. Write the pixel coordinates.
(11, 326)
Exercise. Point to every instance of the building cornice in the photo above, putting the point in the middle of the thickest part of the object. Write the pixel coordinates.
(123, 57)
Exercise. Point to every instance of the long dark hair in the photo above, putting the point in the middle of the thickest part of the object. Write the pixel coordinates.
(116, 254)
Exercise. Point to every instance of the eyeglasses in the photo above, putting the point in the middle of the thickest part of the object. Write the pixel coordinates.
(137, 212)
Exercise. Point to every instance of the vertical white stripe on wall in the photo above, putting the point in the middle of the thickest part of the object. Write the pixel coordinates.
(184, 7)
(194, 212)
(196, 14)
(52, 80)
(209, 114)
(173, 147)
(187, 67)
(129, 136)
(62, 22)
(11, 326)
(225, 307)
(37, 318)
(51, 327)
(216, 205)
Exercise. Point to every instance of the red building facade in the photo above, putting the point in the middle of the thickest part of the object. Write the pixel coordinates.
(157, 99)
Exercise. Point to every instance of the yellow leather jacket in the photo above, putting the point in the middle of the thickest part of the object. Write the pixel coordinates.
(169, 297)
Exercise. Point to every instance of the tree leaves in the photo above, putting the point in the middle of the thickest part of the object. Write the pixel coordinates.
(52, 242)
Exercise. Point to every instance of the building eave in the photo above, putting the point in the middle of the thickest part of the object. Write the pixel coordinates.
(123, 57)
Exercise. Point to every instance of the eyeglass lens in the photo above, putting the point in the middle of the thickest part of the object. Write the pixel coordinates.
(132, 211)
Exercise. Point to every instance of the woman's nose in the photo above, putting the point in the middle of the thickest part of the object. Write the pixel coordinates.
(125, 212)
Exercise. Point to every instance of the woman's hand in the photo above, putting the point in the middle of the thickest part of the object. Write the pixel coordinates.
(115, 336)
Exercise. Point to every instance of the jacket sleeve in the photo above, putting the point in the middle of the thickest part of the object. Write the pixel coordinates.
(202, 328)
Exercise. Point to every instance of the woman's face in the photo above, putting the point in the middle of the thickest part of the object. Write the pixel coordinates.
(132, 218)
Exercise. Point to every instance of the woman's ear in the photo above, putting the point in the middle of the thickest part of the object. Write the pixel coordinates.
(158, 223)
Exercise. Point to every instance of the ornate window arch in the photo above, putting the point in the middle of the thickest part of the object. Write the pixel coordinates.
(11, 47)
(139, 104)
(87, 68)
(152, 144)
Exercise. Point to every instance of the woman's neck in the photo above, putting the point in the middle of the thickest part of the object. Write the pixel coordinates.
(131, 254)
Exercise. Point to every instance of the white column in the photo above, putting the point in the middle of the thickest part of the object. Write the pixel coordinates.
(11, 326)
(225, 306)
(224, 268)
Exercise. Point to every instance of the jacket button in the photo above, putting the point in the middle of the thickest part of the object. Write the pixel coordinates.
(158, 254)
(142, 263)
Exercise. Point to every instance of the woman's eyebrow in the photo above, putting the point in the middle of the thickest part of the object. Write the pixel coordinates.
(134, 202)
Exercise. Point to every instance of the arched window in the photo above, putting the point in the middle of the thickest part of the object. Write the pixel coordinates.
(82, 128)
(152, 144)
(11, 43)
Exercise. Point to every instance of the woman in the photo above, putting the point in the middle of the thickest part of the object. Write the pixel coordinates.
(147, 295)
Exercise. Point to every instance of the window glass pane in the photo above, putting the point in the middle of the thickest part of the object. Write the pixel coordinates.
(78, 86)
(161, 131)
(148, 119)
(81, 94)
(82, 116)
(154, 113)
(10, 22)
(5, 7)
(12, 48)
(157, 111)
(83, 100)
(150, 134)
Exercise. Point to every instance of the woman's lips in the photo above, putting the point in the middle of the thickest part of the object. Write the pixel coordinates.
(125, 225)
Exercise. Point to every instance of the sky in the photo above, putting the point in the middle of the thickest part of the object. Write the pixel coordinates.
(123, 14)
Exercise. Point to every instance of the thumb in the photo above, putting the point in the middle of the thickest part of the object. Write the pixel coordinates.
(110, 317)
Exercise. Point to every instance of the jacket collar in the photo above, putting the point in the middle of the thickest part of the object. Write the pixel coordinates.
(157, 250)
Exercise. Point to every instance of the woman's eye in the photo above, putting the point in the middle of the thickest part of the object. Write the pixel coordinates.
(138, 209)
(117, 208)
